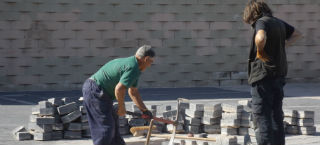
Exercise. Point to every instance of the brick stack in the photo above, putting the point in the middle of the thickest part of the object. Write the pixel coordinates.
(123, 125)
(246, 119)
(299, 122)
(56, 119)
(211, 118)
(231, 119)
(21, 133)
(193, 118)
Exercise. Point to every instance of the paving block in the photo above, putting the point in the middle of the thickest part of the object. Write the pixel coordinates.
(72, 135)
(57, 135)
(227, 140)
(179, 128)
(45, 104)
(124, 130)
(85, 126)
(234, 123)
(290, 113)
(23, 136)
(290, 120)
(86, 133)
(45, 120)
(290, 129)
(233, 115)
(194, 114)
(168, 107)
(192, 121)
(190, 142)
(66, 100)
(65, 109)
(18, 129)
(57, 126)
(212, 107)
(245, 115)
(232, 108)
(210, 120)
(171, 113)
(56, 102)
(212, 114)
(309, 130)
(229, 131)
(212, 129)
(123, 122)
(136, 122)
(305, 122)
(196, 107)
(243, 130)
(42, 136)
(74, 126)
(305, 114)
(39, 128)
(193, 129)
(245, 103)
(47, 111)
(244, 123)
(71, 116)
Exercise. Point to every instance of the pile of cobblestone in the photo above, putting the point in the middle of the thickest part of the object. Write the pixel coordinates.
(55, 119)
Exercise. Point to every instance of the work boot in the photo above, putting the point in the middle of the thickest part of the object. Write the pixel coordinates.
(247, 140)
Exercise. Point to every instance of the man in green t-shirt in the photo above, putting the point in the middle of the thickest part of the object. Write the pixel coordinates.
(111, 82)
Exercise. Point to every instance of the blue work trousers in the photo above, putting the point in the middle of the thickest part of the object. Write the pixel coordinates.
(102, 117)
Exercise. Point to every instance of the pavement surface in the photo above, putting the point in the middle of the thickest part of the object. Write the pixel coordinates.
(15, 107)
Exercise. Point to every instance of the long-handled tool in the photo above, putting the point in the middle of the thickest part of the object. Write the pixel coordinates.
(134, 130)
(139, 115)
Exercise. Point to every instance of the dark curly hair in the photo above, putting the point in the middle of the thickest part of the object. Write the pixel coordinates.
(254, 10)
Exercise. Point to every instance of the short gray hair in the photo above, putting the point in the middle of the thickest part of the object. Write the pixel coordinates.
(145, 50)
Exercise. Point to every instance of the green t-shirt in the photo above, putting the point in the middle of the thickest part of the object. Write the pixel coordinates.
(124, 70)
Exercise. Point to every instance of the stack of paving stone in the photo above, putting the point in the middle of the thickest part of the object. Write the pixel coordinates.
(123, 125)
(56, 119)
(299, 122)
(171, 115)
(211, 118)
(193, 118)
(231, 119)
(246, 117)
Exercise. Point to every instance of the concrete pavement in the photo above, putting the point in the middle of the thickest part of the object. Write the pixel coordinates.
(15, 107)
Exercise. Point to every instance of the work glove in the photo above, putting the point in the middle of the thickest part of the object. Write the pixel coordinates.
(147, 114)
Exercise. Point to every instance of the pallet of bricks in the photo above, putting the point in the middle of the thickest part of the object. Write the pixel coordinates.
(299, 122)
(55, 119)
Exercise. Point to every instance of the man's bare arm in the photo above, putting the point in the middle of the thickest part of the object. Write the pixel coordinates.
(120, 92)
(260, 41)
(136, 98)
(296, 35)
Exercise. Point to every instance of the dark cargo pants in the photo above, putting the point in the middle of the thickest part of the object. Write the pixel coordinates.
(267, 95)
(102, 118)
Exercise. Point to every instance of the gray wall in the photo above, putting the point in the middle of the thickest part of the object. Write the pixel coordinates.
(57, 44)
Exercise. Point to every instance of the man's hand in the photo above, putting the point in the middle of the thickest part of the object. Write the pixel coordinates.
(148, 113)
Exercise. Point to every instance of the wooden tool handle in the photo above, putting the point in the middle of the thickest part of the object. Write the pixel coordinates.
(163, 120)
(184, 137)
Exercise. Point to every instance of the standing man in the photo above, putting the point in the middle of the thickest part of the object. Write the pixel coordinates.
(267, 69)
(111, 82)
